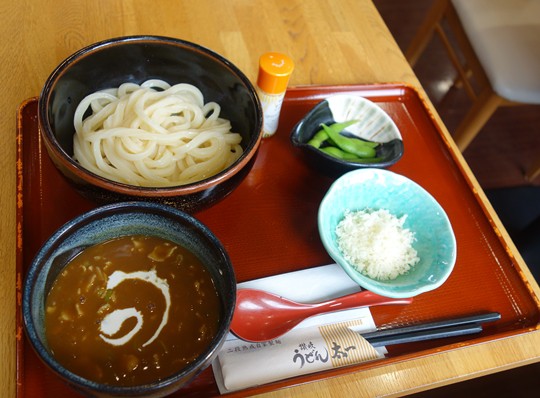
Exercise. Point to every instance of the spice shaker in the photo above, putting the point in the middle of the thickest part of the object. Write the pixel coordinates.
(274, 72)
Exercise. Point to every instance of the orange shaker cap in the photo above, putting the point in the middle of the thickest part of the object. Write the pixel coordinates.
(274, 72)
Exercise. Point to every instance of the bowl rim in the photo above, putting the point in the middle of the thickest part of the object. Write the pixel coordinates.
(72, 225)
(74, 167)
(365, 281)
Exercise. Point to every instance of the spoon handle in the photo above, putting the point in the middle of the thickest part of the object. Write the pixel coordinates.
(355, 300)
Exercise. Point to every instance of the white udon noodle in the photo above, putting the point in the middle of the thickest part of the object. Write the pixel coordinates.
(153, 135)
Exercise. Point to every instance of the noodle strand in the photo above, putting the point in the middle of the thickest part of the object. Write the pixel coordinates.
(153, 135)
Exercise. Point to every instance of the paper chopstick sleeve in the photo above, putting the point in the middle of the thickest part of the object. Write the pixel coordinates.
(303, 351)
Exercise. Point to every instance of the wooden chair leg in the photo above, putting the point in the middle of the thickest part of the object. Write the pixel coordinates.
(425, 32)
(533, 172)
(482, 109)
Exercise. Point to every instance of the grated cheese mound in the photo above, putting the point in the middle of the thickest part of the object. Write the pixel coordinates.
(376, 244)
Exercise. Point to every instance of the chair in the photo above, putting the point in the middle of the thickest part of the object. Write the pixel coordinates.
(498, 60)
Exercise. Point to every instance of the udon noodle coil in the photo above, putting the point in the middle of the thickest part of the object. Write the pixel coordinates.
(153, 135)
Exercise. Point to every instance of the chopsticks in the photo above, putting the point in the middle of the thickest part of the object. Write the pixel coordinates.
(432, 330)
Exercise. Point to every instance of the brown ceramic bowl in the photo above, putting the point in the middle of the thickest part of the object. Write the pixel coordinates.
(135, 59)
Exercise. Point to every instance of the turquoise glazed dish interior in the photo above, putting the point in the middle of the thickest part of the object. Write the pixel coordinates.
(376, 189)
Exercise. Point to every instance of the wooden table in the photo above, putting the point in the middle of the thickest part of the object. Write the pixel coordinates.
(344, 42)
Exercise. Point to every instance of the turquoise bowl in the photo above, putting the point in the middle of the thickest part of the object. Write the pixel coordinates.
(377, 189)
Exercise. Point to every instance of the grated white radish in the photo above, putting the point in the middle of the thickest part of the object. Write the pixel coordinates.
(376, 243)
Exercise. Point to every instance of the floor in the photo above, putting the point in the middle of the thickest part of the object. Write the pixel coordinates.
(498, 156)
(507, 145)
(510, 141)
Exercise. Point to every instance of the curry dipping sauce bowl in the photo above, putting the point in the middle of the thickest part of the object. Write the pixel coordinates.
(377, 189)
(112, 221)
(374, 125)
(136, 59)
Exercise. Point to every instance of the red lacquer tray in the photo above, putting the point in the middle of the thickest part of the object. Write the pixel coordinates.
(269, 226)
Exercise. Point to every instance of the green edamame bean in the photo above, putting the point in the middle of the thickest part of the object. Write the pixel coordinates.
(318, 139)
(339, 127)
(370, 144)
(321, 138)
(351, 145)
(339, 154)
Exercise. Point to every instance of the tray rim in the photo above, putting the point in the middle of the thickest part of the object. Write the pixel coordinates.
(495, 223)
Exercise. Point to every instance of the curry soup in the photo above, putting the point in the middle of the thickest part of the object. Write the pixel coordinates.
(131, 311)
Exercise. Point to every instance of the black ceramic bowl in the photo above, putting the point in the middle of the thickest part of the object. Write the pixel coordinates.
(105, 223)
(374, 125)
(136, 59)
